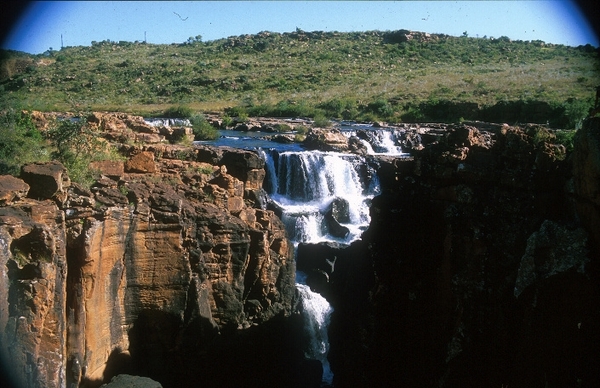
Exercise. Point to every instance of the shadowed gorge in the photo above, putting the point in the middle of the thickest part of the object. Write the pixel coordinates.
(477, 266)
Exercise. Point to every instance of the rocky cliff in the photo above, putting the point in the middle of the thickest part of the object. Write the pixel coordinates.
(491, 276)
(479, 268)
(166, 267)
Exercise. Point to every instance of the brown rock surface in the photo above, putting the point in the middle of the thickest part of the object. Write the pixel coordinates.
(46, 180)
(142, 162)
(173, 245)
(12, 188)
(33, 272)
(326, 140)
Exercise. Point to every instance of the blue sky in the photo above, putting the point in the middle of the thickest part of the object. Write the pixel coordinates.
(81, 22)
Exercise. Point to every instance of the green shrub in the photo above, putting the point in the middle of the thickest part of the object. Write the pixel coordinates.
(320, 121)
(236, 111)
(381, 108)
(565, 137)
(413, 114)
(203, 130)
(344, 108)
(282, 127)
(179, 112)
(20, 142)
(574, 112)
(301, 129)
(76, 145)
(226, 121)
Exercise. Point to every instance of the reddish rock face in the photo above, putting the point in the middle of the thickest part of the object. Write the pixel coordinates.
(141, 163)
(109, 168)
(33, 272)
(12, 188)
(82, 277)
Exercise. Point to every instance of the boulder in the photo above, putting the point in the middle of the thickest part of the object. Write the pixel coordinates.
(340, 210)
(142, 162)
(326, 140)
(180, 134)
(283, 138)
(357, 146)
(335, 215)
(46, 180)
(128, 381)
(12, 189)
(109, 168)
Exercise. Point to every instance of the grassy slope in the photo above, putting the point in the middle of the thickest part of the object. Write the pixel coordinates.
(310, 68)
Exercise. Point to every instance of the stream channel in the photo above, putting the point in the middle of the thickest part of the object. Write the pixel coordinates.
(307, 187)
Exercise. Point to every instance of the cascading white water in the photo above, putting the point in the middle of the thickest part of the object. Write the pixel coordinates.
(386, 141)
(303, 184)
(381, 141)
(316, 323)
(168, 122)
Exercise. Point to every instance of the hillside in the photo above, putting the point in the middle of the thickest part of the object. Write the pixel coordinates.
(394, 75)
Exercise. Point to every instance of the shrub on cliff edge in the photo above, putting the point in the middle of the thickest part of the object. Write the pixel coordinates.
(76, 146)
(20, 142)
(203, 130)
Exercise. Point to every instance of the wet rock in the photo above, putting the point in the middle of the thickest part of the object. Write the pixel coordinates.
(284, 139)
(357, 146)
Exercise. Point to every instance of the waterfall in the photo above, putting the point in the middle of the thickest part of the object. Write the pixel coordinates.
(316, 321)
(168, 122)
(386, 142)
(304, 185)
(377, 141)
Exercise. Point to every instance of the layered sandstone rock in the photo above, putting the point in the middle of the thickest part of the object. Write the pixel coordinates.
(156, 249)
(33, 272)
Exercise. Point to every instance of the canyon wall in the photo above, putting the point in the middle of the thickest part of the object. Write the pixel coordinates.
(479, 268)
(166, 267)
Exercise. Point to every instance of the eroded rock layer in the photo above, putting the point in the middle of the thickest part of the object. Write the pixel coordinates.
(116, 278)
(480, 267)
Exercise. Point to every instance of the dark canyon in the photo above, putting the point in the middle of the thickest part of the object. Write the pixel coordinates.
(480, 267)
